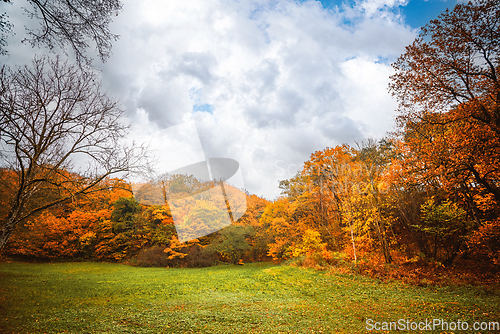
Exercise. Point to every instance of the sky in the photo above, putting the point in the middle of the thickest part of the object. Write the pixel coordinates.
(262, 82)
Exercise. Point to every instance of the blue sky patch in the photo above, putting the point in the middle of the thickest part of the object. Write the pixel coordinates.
(204, 108)
(419, 12)
(416, 12)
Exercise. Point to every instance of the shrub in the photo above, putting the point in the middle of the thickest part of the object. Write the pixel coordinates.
(152, 257)
(485, 242)
(199, 257)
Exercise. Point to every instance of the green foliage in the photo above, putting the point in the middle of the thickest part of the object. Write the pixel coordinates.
(231, 243)
(125, 208)
(158, 226)
(445, 225)
(444, 214)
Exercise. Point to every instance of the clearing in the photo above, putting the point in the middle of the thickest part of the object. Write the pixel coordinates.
(91, 297)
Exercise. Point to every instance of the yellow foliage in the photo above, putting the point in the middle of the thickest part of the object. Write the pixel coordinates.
(311, 243)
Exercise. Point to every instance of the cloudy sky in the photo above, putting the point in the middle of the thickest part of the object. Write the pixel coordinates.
(263, 82)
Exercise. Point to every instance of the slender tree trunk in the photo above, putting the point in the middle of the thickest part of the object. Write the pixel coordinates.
(383, 243)
(321, 202)
(435, 247)
(352, 240)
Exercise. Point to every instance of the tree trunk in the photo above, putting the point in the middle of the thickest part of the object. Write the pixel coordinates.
(488, 185)
(352, 240)
(383, 243)
(7, 230)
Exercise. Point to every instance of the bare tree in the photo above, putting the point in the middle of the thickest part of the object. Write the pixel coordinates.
(73, 23)
(55, 121)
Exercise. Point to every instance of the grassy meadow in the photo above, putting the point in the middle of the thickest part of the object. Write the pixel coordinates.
(255, 298)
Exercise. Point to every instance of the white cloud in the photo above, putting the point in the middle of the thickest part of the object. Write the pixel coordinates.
(365, 95)
(376, 7)
(282, 78)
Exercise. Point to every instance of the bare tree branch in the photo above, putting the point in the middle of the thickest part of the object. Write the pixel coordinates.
(53, 116)
(73, 23)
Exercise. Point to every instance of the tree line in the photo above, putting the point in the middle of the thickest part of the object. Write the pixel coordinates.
(428, 192)
(112, 225)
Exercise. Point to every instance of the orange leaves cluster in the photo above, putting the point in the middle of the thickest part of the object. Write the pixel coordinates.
(485, 242)
(68, 230)
(339, 197)
(50, 237)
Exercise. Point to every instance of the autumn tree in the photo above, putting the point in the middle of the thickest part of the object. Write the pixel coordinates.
(340, 195)
(73, 24)
(374, 158)
(327, 173)
(283, 227)
(124, 212)
(445, 226)
(123, 235)
(260, 239)
(54, 119)
(309, 204)
(231, 243)
(448, 87)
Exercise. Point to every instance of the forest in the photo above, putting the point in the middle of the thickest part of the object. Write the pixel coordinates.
(426, 196)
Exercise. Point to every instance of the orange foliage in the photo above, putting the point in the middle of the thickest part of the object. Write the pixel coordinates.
(49, 237)
(485, 242)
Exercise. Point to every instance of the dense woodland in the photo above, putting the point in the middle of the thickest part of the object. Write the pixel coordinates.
(364, 204)
(427, 194)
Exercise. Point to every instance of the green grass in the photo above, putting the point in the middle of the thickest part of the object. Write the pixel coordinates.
(255, 298)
